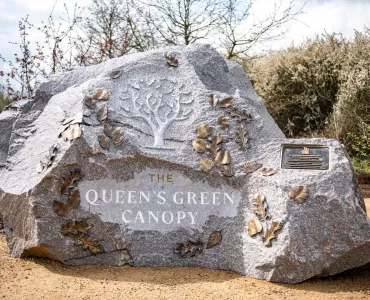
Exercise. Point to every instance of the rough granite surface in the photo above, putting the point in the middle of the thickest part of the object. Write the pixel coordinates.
(325, 235)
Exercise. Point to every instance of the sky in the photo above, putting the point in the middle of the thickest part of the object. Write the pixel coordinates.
(320, 16)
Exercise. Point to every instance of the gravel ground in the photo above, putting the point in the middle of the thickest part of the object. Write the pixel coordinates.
(45, 279)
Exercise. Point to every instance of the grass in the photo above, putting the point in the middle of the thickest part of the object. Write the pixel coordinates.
(361, 166)
(3, 102)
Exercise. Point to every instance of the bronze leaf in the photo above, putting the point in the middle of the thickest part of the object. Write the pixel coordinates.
(225, 170)
(226, 102)
(70, 182)
(189, 246)
(199, 145)
(115, 74)
(250, 167)
(48, 159)
(206, 165)
(299, 194)
(214, 146)
(117, 136)
(203, 131)
(214, 239)
(60, 208)
(74, 199)
(254, 227)
(103, 141)
(88, 244)
(172, 61)
(100, 94)
(76, 228)
(223, 157)
(213, 100)
(271, 233)
(241, 115)
(102, 113)
(267, 171)
(242, 138)
(89, 102)
(73, 132)
(108, 129)
(260, 207)
(223, 122)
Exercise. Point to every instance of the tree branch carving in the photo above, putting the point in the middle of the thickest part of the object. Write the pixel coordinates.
(159, 102)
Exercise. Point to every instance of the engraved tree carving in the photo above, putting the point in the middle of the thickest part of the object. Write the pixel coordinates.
(159, 102)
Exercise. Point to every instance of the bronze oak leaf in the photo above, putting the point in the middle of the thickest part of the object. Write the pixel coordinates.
(75, 228)
(260, 207)
(252, 166)
(88, 244)
(267, 171)
(189, 246)
(70, 182)
(223, 122)
(271, 233)
(60, 208)
(74, 199)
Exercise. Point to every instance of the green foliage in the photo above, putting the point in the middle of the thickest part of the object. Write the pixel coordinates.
(300, 84)
(3, 102)
(359, 145)
(352, 112)
(361, 166)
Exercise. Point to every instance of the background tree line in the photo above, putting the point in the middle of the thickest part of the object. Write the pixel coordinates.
(112, 28)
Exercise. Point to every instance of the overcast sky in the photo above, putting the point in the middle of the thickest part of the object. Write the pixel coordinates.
(319, 16)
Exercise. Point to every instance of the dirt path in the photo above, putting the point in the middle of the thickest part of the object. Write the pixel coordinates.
(43, 279)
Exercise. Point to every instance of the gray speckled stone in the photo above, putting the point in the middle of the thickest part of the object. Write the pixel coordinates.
(140, 217)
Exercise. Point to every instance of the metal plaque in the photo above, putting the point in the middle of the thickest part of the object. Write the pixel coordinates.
(310, 157)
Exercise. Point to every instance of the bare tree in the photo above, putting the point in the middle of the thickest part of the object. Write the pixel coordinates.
(59, 37)
(159, 102)
(142, 31)
(237, 39)
(25, 70)
(183, 21)
(105, 30)
(35, 61)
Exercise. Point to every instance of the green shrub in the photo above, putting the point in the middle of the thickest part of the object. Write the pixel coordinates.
(361, 166)
(352, 111)
(3, 102)
(300, 84)
(359, 145)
